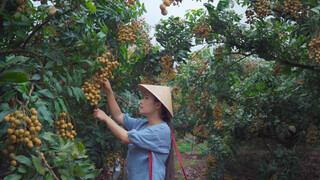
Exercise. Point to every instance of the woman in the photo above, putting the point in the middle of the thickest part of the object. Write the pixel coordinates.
(143, 136)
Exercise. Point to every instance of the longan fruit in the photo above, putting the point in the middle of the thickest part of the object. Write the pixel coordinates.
(33, 118)
(13, 137)
(32, 129)
(17, 122)
(26, 140)
(164, 12)
(11, 147)
(6, 119)
(37, 141)
(26, 133)
(12, 119)
(20, 116)
(36, 122)
(38, 128)
(13, 163)
(162, 7)
(21, 131)
(30, 144)
(4, 151)
(12, 155)
(34, 113)
(10, 131)
(27, 120)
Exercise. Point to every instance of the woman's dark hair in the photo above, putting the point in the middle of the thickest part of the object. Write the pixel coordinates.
(170, 171)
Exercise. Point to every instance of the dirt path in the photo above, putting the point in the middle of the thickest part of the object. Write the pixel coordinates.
(193, 165)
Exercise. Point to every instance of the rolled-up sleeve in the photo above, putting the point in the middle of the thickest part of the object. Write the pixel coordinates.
(128, 121)
(149, 139)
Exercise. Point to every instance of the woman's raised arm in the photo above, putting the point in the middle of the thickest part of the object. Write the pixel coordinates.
(114, 108)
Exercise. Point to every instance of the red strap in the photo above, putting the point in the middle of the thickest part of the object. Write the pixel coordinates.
(175, 146)
(150, 165)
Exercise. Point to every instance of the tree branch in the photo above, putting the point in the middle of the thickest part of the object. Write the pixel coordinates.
(44, 23)
(4, 2)
(19, 50)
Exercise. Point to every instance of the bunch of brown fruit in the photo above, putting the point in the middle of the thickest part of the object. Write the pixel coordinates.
(263, 9)
(163, 6)
(314, 46)
(64, 127)
(210, 163)
(201, 31)
(168, 73)
(22, 5)
(91, 87)
(201, 131)
(23, 130)
(113, 161)
(135, 32)
(130, 3)
(217, 115)
(293, 7)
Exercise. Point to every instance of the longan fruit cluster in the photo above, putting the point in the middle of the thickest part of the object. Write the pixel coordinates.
(210, 163)
(114, 160)
(134, 31)
(312, 137)
(22, 5)
(233, 110)
(258, 126)
(293, 7)
(130, 3)
(314, 48)
(218, 51)
(64, 127)
(201, 131)
(201, 31)
(263, 9)
(149, 80)
(204, 98)
(23, 130)
(250, 16)
(168, 73)
(163, 6)
(277, 69)
(175, 2)
(175, 90)
(217, 115)
(91, 87)
(299, 82)
(249, 66)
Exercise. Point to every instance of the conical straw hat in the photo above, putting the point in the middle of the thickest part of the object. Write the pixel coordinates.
(163, 93)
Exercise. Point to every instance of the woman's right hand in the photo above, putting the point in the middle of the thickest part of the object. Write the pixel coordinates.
(106, 87)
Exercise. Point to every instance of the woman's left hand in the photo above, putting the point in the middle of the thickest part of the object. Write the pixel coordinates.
(99, 114)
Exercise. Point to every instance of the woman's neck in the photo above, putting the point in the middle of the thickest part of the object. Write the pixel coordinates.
(154, 119)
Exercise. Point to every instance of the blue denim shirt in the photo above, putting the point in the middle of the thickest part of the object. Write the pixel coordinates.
(156, 138)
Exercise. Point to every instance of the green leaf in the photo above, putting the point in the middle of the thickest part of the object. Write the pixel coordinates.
(36, 77)
(13, 77)
(93, 174)
(46, 93)
(22, 169)
(81, 146)
(45, 114)
(13, 177)
(24, 160)
(63, 105)
(57, 108)
(14, 59)
(79, 94)
(91, 7)
(36, 162)
(8, 95)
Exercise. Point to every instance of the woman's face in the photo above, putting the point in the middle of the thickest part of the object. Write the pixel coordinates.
(148, 105)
